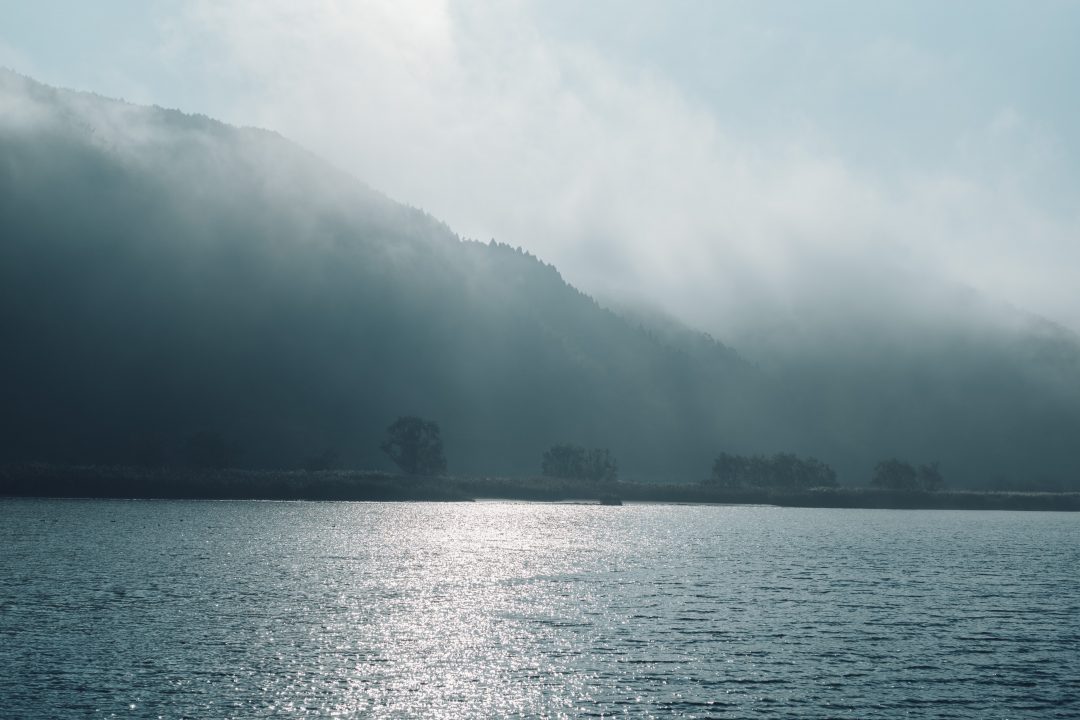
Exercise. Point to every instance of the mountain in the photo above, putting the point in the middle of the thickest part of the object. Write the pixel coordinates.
(165, 277)
(991, 392)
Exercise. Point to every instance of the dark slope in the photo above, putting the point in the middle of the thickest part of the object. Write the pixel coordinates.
(162, 274)
(991, 392)
(999, 407)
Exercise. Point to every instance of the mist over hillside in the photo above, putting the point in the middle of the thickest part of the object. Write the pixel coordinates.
(164, 275)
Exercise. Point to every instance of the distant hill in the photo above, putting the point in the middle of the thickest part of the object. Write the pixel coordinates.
(995, 398)
(165, 276)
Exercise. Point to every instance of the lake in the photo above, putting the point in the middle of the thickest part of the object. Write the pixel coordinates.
(496, 609)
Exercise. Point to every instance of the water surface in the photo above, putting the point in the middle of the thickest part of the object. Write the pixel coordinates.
(264, 609)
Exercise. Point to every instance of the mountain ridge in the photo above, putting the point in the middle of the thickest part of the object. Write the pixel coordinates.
(279, 245)
(166, 274)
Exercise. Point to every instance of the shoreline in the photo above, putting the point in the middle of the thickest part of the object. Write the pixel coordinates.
(57, 481)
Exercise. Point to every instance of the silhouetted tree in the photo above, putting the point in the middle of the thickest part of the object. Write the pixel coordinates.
(896, 474)
(782, 470)
(574, 462)
(893, 474)
(563, 461)
(729, 470)
(415, 446)
(600, 466)
(929, 477)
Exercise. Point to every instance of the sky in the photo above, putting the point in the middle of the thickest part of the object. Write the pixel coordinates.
(740, 165)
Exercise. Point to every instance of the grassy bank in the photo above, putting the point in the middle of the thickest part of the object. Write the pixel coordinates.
(40, 480)
(37, 480)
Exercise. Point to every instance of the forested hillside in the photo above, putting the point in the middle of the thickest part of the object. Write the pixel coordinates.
(165, 277)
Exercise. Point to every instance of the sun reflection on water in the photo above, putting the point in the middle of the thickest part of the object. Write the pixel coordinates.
(458, 635)
(250, 610)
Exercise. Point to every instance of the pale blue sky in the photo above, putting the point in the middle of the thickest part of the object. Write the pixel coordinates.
(881, 82)
(706, 156)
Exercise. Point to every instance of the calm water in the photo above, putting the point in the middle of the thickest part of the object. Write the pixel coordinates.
(256, 609)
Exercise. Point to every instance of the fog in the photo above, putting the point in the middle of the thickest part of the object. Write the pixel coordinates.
(868, 207)
(739, 165)
(166, 278)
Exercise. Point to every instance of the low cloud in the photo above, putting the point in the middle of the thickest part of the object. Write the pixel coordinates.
(639, 189)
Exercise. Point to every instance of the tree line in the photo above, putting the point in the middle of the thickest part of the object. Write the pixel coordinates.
(415, 445)
(896, 474)
(782, 470)
(789, 471)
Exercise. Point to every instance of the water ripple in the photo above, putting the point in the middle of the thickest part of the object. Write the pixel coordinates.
(252, 610)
